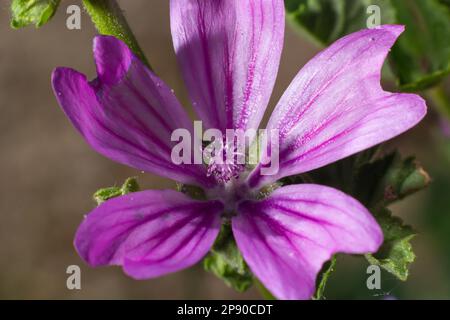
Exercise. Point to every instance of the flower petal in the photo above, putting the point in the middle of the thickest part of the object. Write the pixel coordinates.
(335, 107)
(286, 238)
(127, 114)
(149, 233)
(229, 52)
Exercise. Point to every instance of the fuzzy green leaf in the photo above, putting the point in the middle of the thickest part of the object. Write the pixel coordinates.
(226, 262)
(396, 254)
(37, 12)
(130, 185)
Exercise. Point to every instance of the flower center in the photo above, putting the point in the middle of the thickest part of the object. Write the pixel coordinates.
(224, 160)
(230, 194)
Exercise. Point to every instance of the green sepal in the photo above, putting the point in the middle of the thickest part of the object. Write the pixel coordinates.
(194, 192)
(388, 179)
(226, 262)
(130, 185)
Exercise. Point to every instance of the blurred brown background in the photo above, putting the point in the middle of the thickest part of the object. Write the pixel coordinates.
(48, 173)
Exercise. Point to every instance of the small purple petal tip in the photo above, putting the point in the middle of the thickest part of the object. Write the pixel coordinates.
(112, 58)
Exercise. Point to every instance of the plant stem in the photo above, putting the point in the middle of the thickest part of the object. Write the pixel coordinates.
(108, 19)
(325, 276)
(440, 100)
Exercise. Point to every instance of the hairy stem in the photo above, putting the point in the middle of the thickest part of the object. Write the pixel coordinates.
(329, 268)
(108, 19)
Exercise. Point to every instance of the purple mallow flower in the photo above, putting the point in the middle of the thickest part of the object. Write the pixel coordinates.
(229, 52)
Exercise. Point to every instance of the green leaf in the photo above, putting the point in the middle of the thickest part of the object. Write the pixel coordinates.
(130, 185)
(421, 57)
(226, 262)
(396, 254)
(328, 20)
(37, 12)
(322, 280)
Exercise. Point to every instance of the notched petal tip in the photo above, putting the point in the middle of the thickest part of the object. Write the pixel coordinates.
(60, 76)
(72, 91)
(396, 29)
(127, 113)
(383, 37)
(419, 105)
(340, 88)
(112, 58)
